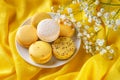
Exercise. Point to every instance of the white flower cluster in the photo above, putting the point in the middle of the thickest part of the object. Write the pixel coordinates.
(107, 50)
(109, 20)
(90, 43)
(100, 42)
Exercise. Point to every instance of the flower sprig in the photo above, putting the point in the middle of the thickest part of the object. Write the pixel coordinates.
(94, 19)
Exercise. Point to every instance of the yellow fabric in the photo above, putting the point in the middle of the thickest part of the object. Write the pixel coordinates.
(82, 67)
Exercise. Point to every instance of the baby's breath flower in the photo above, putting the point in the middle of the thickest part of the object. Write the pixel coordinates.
(78, 1)
(117, 22)
(102, 10)
(97, 24)
(86, 42)
(65, 23)
(73, 19)
(74, 2)
(103, 51)
(86, 27)
(94, 18)
(100, 42)
(90, 19)
(99, 14)
(97, 2)
(106, 15)
(86, 10)
(86, 15)
(68, 23)
(96, 29)
(79, 35)
(63, 17)
(78, 24)
(97, 48)
(69, 10)
(115, 28)
(111, 51)
(91, 51)
(108, 47)
(85, 4)
(109, 26)
(108, 22)
(84, 32)
(112, 21)
(71, 15)
(98, 21)
(113, 13)
(88, 35)
(86, 47)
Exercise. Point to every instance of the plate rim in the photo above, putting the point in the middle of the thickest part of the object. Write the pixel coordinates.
(42, 65)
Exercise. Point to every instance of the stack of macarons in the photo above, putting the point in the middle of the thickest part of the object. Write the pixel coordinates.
(46, 37)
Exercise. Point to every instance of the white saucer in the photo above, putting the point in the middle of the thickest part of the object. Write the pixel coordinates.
(23, 52)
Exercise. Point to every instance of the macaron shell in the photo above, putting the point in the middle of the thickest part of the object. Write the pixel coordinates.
(48, 30)
(36, 60)
(66, 31)
(67, 28)
(40, 51)
(63, 56)
(24, 45)
(63, 48)
(38, 17)
(26, 35)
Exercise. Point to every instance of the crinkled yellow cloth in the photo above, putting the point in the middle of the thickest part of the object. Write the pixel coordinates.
(82, 67)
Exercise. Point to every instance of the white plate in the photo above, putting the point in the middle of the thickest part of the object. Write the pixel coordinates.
(23, 52)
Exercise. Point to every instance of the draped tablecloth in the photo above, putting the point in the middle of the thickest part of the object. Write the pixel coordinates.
(82, 67)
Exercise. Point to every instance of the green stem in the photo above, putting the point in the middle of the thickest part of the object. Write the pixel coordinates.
(108, 31)
(110, 4)
(91, 3)
(116, 13)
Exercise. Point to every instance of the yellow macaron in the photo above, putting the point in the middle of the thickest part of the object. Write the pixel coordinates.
(26, 35)
(38, 17)
(63, 48)
(40, 52)
(66, 28)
